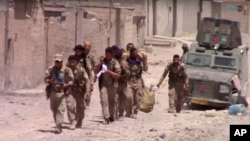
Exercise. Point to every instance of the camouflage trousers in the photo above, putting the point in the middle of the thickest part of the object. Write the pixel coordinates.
(133, 97)
(175, 98)
(88, 99)
(108, 101)
(75, 106)
(122, 93)
(57, 106)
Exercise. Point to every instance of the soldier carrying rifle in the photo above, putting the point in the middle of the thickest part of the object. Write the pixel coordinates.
(59, 78)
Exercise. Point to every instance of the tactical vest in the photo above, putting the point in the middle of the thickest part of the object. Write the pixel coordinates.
(78, 76)
(112, 68)
(123, 76)
(135, 69)
(82, 63)
(179, 76)
(61, 77)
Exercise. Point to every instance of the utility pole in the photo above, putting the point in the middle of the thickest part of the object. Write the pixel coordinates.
(109, 23)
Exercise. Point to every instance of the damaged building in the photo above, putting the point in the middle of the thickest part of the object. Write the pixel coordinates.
(173, 18)
(36, 29)
(32, 31)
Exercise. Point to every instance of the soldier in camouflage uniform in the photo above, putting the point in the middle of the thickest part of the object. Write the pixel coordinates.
(85, 63)
(177, 84)
(122, 81)
(108, 84)
(79, 50)
(91, 74)
(140, 54)
(59, 78)
(135, 83)
(80, 88)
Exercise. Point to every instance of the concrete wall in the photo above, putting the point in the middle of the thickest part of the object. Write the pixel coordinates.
(34, 39)
(248, 28)
(180, 18)
(206, 9)
(164, 17)
(191, 9)
(95, 32)
(149, 18)
(2, 46)
(131, 28)
(26, 54)
(61, 35)
(95, 29)
(229, 11)
(160, 17)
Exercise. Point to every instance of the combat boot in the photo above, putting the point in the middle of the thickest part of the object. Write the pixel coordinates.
(58, 129)
(73, 125)
(135, 114)
(107, 120)
(171, 110)
(79, 124)
(111, 119)
(178, 109)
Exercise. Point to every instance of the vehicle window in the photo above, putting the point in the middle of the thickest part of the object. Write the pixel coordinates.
(225, 62)
(199, 59)
(223, 39)
(207, 37)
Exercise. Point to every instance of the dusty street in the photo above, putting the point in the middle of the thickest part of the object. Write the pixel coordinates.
(30, 119)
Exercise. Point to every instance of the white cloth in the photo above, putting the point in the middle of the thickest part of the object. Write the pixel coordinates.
(236, 82)
(104, 69)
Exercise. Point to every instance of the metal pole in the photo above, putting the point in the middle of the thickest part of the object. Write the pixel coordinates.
(109, 24)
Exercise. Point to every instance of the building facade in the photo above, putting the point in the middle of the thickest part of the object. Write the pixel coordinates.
(179, 17)
(32, 31)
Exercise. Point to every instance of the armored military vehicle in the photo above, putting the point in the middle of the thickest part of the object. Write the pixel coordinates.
(217, 65)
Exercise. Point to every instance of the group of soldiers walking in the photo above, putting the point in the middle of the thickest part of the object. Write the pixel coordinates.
(119, 75)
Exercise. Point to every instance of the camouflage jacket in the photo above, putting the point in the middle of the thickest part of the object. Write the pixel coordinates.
(135, 71)
(86, 64)
(124, 73)
(91, 59)
(106, 79)
(142, 55)
(176, 75)
(81, 78)
(64, 75)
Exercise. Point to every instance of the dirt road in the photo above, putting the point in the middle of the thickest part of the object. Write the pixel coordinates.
(30, 119)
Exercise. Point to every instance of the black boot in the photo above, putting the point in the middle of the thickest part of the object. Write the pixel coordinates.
(107, 120)
(79, 123)
(178, 109)
(111, 119)
(58, 129)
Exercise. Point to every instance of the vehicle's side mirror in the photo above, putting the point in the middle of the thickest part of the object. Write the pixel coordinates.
(185, 48)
